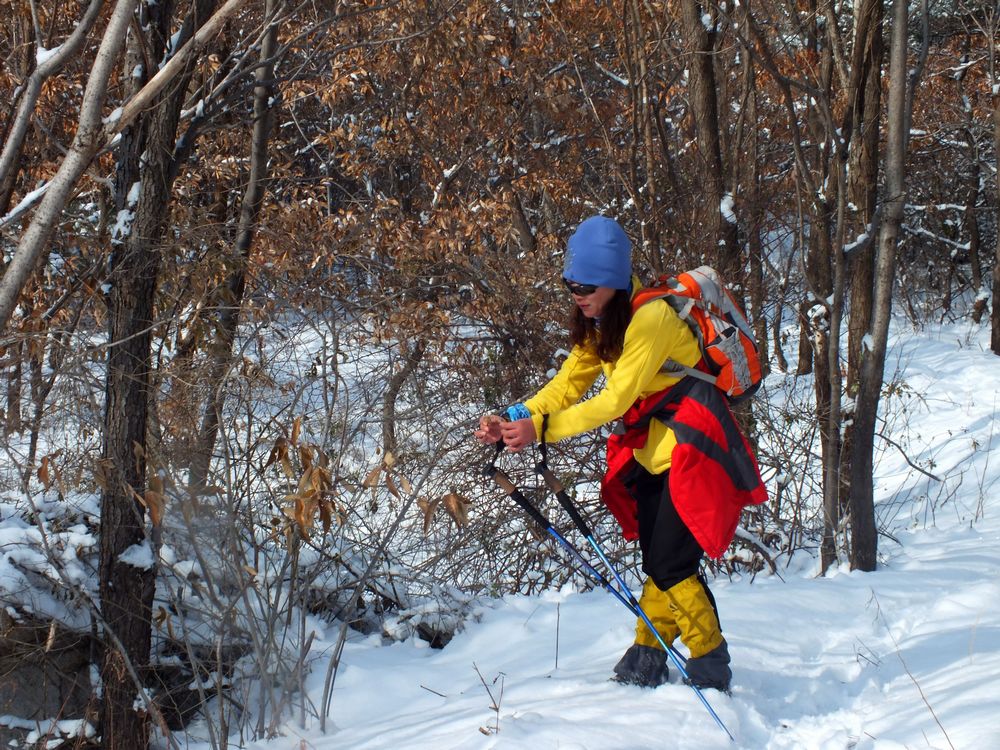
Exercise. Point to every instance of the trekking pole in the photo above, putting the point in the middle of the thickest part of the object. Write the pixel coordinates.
(500, 477)
(581, 524)
(557, 488)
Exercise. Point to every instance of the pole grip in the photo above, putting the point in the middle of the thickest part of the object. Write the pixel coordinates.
(564, 500)
(550, 479)
(504, 481)
(515, 494)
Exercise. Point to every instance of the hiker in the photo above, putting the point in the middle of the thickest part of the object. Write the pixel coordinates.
(630, 348)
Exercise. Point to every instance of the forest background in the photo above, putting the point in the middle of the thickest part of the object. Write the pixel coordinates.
(213, 214)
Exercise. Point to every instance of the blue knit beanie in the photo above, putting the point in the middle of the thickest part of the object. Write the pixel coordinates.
(600, 253)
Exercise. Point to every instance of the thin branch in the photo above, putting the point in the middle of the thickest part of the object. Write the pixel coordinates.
(906, 458)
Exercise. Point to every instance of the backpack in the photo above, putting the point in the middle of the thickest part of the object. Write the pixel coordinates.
(728, 348)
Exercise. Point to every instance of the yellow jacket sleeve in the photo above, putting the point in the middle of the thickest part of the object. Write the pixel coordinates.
(654, 334)
(574, 379)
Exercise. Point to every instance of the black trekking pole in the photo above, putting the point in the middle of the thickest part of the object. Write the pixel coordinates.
(557, 488)
(500, 477)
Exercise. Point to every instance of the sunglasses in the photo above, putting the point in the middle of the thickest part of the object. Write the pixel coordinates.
(580, 290)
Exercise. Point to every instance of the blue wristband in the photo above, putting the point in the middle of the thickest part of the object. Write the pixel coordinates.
(515, 412)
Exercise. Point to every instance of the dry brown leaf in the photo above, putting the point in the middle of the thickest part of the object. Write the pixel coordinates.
(427, 507)
(286, 466)
(389, 460)
(43, 473)
(160, 617)
(305, 481)
(305, 456)
(325, 516)
(322, 479)
(299, 514)
(458, 508)
(372, 479)
(391, 485)
(155, 499)
(279, 450)
(296, 429)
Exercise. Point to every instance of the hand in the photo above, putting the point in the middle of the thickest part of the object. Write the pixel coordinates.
(489, 429)
(518, 434)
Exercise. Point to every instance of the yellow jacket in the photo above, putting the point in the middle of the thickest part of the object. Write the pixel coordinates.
(654, 335)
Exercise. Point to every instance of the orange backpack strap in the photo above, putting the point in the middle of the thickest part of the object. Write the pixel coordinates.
(682, 306)
(729, 352)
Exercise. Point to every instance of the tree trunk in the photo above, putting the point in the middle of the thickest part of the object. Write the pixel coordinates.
(824, 271)
(864, 534)
(705, 111)
(757, 291)
(821, 280)
(229, 317)
(412, 358)
(865, 97)
(649, 226)
(971, 224)
(522, 227)
(995, 314)
(861, 123)
(127, 591)
(804, 359)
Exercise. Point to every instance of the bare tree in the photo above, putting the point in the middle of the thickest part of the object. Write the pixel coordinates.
(995, 314)
(820, 177)
(902, 83)
(144, 181)
(235, 287)
(861, 130)
(92, 135)
(864, 94)
(994, 57)
(705, 111)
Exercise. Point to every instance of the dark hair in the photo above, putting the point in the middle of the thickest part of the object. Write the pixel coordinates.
(607, 338)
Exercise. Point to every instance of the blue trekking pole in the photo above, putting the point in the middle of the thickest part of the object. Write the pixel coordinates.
(501, 478)
(555, 485)
(633, 604)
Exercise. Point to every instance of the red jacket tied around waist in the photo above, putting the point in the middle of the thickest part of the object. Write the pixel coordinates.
(713, 473)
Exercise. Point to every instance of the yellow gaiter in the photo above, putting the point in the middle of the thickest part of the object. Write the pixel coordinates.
(656, 604)
(692, 613)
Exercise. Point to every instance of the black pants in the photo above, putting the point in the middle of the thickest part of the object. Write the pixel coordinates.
(670, 552)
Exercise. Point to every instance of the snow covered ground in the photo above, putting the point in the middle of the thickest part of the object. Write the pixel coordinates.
(908, 656)
(905, 657)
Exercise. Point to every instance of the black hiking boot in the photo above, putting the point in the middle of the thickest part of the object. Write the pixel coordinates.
(711, 670)
(644, 666)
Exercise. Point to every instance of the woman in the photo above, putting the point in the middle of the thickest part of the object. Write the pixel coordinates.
(630, 349)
